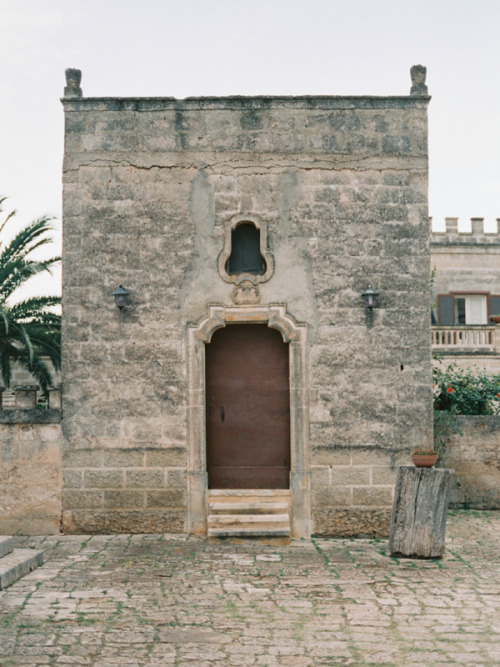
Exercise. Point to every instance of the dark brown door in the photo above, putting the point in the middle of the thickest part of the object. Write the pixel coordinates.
(248, 408)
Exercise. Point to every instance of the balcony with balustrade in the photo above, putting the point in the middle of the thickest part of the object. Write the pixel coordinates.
(466, 340)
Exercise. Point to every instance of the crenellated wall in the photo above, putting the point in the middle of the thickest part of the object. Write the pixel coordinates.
(477, 235)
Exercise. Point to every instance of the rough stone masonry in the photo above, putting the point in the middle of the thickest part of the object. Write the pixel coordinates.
(154, 189)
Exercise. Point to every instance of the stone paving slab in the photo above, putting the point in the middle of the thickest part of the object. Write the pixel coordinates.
(163, 600)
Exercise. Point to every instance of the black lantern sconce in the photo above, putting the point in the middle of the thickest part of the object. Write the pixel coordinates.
(120, 295)
(370, 297)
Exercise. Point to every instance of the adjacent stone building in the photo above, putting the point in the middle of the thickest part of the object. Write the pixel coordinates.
(466, 295)
(245, 365)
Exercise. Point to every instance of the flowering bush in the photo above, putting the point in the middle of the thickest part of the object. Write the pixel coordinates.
(466, 392)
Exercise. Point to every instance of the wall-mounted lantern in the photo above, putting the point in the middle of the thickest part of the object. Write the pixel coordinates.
(370, 297)
(120, 294)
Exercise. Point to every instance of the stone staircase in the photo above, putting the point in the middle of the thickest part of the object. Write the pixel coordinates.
(249, 513)
(15, 563)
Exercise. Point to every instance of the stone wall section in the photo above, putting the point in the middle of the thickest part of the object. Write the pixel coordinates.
(353, 491)
(474, 455)
(31, 474)
(124, 490)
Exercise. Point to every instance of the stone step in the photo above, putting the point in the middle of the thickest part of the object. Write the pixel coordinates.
(249, 496)
(247, 507)
(262, 493)
(249, 531)
(247, 518)
(17, 563)
(6, 545)
(249, 499)
(248, 513)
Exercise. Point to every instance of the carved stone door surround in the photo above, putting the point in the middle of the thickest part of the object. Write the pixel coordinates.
(276, 317)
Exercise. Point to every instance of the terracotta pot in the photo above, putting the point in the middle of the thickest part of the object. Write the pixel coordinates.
(424, 460)
(495, 318)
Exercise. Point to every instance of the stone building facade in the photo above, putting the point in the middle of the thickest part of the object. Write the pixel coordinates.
(244, 216)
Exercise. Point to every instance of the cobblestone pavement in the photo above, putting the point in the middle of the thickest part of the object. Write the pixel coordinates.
(173, 600)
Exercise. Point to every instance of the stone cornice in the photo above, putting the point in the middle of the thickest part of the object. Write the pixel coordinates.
(242, 103)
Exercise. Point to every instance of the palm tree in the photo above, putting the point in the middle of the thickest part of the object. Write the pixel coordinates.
(30, 329)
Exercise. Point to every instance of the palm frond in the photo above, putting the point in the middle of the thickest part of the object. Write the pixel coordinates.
(15, 274)
(29, 330)
(22, 243)
(36, 366)
(4, 318)
(5, 365)
(18, 330)
(35, 308)
(9, 216)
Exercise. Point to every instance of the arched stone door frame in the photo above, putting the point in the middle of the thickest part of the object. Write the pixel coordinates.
(276, 317)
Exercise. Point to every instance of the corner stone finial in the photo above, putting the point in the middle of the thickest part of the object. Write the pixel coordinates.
(418, 87)
(73, 80)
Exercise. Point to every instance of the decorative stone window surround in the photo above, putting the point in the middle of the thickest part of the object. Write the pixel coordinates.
(229, 226)
(295, 334)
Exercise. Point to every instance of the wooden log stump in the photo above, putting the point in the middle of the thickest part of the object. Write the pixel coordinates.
(418, 521)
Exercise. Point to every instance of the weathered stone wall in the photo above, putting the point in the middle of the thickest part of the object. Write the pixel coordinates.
(474, 455)
(31, 446)
(149, 185)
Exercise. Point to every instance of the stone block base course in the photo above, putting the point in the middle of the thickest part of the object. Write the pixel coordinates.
(139, 490)
(352, 522)
(123, 521)
(353, 490)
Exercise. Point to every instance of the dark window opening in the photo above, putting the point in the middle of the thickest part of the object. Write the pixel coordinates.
(460, 310)
(245, 251)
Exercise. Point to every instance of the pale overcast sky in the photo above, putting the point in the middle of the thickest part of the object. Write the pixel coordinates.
(224, 47)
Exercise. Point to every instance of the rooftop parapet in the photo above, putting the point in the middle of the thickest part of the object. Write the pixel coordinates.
(73, 98)
(476, 236)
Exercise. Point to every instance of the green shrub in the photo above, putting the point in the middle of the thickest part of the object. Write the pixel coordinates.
(463, 391)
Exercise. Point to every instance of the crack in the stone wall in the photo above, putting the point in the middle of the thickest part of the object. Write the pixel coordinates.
(251, 168)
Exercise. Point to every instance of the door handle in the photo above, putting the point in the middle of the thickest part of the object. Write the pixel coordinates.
(222, 413)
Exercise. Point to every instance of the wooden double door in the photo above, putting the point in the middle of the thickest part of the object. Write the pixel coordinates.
(248, 408)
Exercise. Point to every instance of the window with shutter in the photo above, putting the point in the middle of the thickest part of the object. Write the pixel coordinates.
(445, 309)
(495, 304)
(463, 309)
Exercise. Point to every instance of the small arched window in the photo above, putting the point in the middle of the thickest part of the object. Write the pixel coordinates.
(245, 254)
